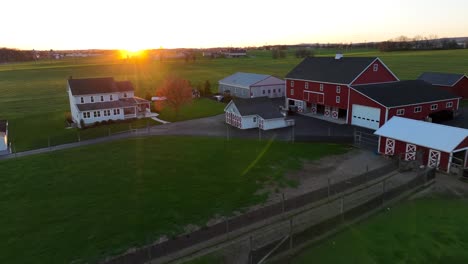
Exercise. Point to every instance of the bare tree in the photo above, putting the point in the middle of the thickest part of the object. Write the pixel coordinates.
(177, 92)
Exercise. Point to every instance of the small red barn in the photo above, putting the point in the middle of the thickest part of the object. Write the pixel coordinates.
(455, 83)
(440, 145)
(373, 104)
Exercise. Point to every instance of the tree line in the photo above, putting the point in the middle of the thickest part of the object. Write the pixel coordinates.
(420, 43)
(15, 55)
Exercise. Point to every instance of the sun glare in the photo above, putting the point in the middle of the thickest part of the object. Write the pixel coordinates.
(131, 53)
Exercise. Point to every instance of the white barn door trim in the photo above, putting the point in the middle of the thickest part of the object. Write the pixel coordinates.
(410, 152)
(389, 146)
(434, 159)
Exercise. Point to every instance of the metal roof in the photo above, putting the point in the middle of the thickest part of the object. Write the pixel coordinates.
(98, 86)
(329, 69)
(430, 135)
(261, 106)
(399, 93)
(441, 79)
(243, 79)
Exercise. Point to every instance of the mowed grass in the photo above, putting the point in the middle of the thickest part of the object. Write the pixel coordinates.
(419, 231)
(86, 203)
(33, 96)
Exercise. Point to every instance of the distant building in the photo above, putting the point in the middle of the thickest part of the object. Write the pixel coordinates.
(235, 53)
(4, 149)
(251, 85)
(452, 82)
(102, 99)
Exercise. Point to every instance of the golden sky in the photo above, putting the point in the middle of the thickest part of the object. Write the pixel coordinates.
(141, 24)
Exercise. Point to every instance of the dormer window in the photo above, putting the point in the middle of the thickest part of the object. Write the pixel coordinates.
(82, 100)
(102, 98)
(376, 67)
(92, 99)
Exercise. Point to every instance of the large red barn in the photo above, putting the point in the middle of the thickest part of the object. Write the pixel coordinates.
(455, 83)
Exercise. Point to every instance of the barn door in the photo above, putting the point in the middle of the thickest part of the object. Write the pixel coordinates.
(410, 152)
(434, 158)
(320, 98)
(390, 147)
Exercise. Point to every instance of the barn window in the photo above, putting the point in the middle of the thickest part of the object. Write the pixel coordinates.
(307, 85)
(292, 91)
(337, 99)
(376, 67)
(321, 87)
(418, 109)
(338, 89)
(449, 104)
(292, 83)
(400, 112)
(434, 107)
(82, 100)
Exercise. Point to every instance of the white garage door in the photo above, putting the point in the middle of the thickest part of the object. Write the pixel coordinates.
(365, 116)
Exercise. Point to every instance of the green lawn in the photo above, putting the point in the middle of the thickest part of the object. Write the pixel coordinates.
(420, 231)
(198, 108)
(84, 203)
(34, 99)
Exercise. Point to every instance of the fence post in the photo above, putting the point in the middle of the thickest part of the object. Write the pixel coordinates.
(291, 233)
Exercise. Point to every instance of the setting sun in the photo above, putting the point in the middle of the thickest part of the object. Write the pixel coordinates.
(131, 53)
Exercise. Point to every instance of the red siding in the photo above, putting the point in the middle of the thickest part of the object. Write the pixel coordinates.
(425, 111)
(357, 98)
(370, 76)
(400, 149)
(329, 91)
(463, 144)
(460, 88)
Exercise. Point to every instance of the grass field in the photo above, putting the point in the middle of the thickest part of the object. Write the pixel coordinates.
(33, 96)
(84, 203)
(419, 231)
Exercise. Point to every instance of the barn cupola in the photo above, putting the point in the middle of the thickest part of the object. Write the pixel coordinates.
(338, 56)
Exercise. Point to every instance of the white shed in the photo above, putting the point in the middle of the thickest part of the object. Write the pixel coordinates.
(251, 85)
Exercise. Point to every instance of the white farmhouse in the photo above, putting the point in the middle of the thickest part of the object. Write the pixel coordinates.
(102, 99)
(261, 112)
(251, 85)
(4, 137)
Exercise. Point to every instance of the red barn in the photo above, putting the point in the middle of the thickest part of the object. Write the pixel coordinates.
(440, 146)
(455, 83)
(374, 104)
(322, 85)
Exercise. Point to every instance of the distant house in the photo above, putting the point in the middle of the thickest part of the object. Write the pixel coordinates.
(261, 112)
(455, 83)
(437, 146)
(4, 149)
(251, 85)
(102, 99)
(234, 53)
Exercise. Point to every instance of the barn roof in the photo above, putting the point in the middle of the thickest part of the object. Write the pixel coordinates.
(245, 80)
(404, 92)
(3, 126)
(441, 79)
(98, 85)
(328, 69)
(430, 135)
(262, 106)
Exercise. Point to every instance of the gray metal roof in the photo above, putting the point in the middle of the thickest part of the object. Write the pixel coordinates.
(243, 79)
(262, 106)
(404, 92)
(98, 86)
(329, 69)
(441, 79)
(3, 126)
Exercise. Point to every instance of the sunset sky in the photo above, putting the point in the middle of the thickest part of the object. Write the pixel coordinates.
(141, 24)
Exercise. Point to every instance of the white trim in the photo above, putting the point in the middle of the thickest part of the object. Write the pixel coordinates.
(458, 150)
(447, 104)
(338, 99)
(362, 84)
(347, 110)
(440, 101)
(378, 144)
(313, 92)
(386, 115)
(338, 89)
(314, 81)
(450, 162)
(372, 63)
(400, 112)
(436, 106)
(414, 109)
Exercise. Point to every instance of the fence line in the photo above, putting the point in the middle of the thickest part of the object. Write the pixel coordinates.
(203, 234)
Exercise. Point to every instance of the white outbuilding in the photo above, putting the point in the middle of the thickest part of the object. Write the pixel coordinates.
(251, 85)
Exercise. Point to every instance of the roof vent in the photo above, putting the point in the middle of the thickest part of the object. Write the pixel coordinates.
(338, 56)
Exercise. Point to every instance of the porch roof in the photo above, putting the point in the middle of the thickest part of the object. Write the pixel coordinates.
(106, 105)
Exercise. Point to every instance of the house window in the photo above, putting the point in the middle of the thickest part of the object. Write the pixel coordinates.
(88, 114)
(400, 112)
(434, 107)
(279, 90)
(292, 91)
(82, 100)
(92, 99)
(449, 104)
(110, 97)
(84, 114)
(376, 67)
(263, 91)
(418, 109)
(338, 89)
(292, 83)
(102, 98)
(269, 91)
(274, 90)
(116, 111)
(307, 85)
(255, 119)
(321, 87)
(106, 112)
(337, 99)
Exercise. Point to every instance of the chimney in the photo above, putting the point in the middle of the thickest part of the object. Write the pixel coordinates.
(338, 56)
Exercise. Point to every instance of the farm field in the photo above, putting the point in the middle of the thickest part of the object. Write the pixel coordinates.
(33, 96)
(86, 203)
(431, 230)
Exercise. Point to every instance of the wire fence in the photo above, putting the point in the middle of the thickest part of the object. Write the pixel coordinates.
(206, 233)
